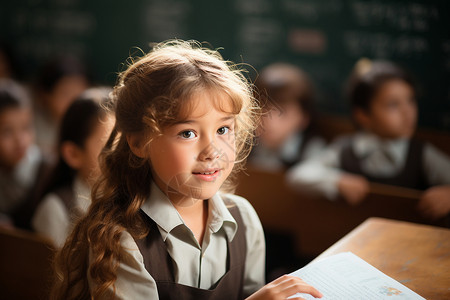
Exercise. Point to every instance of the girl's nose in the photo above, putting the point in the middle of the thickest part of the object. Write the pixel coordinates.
(210, 152)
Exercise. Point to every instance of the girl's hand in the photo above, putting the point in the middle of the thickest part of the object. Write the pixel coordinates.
(283, 287)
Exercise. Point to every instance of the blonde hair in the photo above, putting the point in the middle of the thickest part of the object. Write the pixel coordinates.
(154, 92)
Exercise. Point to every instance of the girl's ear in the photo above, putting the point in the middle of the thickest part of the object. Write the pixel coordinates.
(136, 145)
(72, 155)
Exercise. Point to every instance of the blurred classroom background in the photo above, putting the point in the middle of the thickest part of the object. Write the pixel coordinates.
(325, 38)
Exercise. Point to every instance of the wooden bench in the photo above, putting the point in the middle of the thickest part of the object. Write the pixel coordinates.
(317, 223)
(25, 264)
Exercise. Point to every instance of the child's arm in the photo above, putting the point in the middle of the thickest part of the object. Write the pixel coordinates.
(51, 219)
(283, 287)
(133, 281)
(435, 202)
(353, 188)
(318, 175)
(436, 165)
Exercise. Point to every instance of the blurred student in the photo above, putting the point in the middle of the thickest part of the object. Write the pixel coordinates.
(21, 162)
(383, 100)
(286, 134)
(84, 130)
(59, 83)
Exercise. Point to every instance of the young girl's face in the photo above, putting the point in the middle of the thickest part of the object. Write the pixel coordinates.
(16, 135)
(393, 111)
(191, 159)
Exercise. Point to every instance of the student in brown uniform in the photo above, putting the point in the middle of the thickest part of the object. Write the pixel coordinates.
(384, 150)
(286, 135)
(158, 227)
(22, 165)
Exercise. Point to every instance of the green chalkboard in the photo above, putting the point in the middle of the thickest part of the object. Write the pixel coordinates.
(324, 37)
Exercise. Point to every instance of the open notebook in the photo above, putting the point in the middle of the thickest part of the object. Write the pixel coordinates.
(346, 276)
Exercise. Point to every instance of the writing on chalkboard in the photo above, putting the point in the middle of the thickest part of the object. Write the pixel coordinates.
(324, 37)
(406, 17)
(360, 43)
(58, 30)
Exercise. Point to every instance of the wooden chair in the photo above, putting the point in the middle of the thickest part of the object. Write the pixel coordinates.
(25, 265)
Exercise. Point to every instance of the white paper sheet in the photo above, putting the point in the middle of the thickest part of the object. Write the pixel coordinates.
(346, 276)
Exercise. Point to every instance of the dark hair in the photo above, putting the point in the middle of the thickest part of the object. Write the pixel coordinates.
(56, 69)
(77, 125)
(367, 78)
(12, 95)
(10, 60)
(281, 82)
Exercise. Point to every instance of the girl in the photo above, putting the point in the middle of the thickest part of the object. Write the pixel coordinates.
(83, 133)
(158, 227)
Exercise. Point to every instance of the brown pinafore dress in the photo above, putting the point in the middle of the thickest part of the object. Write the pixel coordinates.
(159, 264)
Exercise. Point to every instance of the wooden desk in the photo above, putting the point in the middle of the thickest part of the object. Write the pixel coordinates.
(417, 256)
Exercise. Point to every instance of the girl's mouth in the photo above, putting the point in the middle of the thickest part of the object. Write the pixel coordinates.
(208, 175)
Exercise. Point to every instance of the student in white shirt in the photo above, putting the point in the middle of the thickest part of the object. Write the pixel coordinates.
(21, 162)
(158, 227)
(384, 149)
(84, 130)
(286, 134)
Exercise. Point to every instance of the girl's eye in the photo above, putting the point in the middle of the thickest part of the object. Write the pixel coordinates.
(187, 134)
(223, 130)
(392, 105)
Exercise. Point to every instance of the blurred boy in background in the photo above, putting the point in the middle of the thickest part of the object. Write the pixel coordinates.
(286, 134)
(383, 100)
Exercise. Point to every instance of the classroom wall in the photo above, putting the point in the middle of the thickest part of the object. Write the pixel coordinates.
(325, 37)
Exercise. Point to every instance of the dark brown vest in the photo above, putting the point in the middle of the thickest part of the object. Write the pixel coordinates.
(160, 266)
(412, 175)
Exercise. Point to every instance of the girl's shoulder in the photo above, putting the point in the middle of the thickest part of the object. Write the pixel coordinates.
(248, 213)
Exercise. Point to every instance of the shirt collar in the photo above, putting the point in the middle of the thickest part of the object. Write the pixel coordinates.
(366, 143)
(289, 150)
(220, 216)
(161, 210)
(82, 194)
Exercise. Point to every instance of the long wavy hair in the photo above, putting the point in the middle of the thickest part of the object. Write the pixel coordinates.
(154, 92)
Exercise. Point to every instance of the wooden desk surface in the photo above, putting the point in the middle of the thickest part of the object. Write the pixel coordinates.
(417, 256)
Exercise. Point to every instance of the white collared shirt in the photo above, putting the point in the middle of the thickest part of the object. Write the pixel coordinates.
(377, 157)
(51, 217)
(273, 160)
(195, 265)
